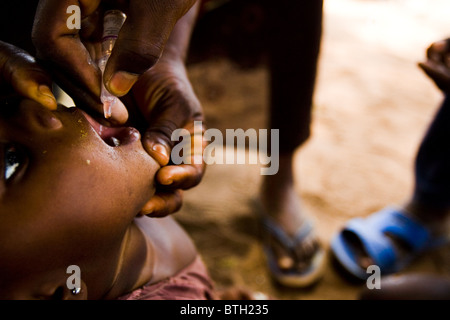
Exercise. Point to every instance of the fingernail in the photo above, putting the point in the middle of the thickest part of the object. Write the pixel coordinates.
(121, 82)
(45, 91)
(160, 149)
(167, 182)
(147, 209)
(48, 96)
(119, 112)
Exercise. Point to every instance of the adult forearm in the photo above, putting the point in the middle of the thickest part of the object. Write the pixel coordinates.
(178, 44)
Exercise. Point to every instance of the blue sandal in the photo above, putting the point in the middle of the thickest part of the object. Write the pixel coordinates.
(372, 233)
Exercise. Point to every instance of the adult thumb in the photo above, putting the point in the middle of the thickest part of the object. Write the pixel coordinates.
(139, 46)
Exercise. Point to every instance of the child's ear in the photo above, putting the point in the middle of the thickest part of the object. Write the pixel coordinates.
(60, 291)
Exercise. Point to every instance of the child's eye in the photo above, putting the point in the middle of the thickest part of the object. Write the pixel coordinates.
(14, 159)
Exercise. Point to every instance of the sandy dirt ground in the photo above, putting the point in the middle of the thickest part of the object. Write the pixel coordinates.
(372, 106)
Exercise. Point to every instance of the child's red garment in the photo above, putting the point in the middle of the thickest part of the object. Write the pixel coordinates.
(191, 283)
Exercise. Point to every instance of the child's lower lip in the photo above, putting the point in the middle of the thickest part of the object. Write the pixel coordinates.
(113, 136)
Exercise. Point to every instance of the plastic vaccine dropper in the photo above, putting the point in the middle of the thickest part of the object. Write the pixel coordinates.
(112, 23)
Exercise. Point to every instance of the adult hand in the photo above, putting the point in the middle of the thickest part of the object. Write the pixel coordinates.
(71, 52)
(165, 96)
(437, 66)
(19, 73)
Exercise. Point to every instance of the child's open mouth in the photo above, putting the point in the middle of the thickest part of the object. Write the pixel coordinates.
(113, 136)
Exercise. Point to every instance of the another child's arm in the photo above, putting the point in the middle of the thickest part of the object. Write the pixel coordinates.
(437, 66)
(19, 73)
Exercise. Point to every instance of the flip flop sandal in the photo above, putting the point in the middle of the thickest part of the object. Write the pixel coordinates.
(293, 278)
(378, 234)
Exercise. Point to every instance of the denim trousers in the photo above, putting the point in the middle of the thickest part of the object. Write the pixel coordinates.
(432, 164)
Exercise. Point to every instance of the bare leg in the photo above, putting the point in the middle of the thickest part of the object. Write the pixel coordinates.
(294, 34)
(282, 204)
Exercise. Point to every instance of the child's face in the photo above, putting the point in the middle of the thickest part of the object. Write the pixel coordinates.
(66, 196)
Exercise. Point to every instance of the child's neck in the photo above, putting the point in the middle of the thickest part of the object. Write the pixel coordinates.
(134, 266)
